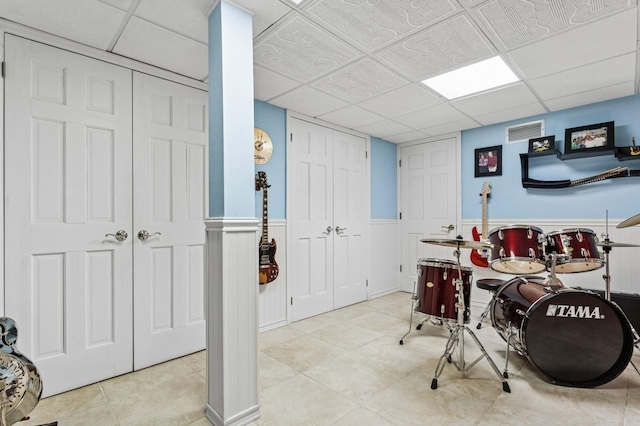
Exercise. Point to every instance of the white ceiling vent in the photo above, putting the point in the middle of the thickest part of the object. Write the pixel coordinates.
(525, 131)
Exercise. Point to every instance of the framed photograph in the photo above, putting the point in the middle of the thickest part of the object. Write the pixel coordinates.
(592, 139)
(542, 144)
(488, 161)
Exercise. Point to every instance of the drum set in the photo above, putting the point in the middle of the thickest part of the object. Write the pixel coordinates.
(574, 337)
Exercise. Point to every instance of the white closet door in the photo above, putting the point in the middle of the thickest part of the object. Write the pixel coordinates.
(170, 172)
(311, 209)
(329, 219)
(67, 185)
(429, 194)
(351, 219)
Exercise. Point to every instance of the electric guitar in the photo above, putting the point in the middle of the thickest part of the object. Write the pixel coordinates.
(479, 257)
(268, 268)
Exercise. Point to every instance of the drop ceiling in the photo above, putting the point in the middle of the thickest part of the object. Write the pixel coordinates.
(359, 63)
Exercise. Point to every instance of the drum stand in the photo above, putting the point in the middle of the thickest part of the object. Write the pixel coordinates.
(456, 339)
(414, 298)
(606, 247)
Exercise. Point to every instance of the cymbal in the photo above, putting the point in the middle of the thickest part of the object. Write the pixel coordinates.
(633, 220)
(459, 243)
(607, 243)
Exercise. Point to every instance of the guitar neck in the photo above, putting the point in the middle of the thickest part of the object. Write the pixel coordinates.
(485, 224)
(265, 211)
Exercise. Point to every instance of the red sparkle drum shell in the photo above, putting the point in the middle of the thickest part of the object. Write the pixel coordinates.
(573, 337)
(517, 250)
(576, 248)
(436, 290)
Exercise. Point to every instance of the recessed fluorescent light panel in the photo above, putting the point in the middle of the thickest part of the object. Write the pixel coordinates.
(474, 78)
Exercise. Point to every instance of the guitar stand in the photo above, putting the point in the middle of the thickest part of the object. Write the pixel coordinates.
(456, 339)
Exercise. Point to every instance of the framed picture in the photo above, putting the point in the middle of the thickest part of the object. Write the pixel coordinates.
(542, 144)
(488, 161)
(593, 138)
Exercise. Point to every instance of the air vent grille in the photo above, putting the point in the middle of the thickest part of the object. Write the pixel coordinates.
(525, 131)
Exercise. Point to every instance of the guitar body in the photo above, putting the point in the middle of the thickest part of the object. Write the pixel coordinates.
(269, 269)
(479, 257)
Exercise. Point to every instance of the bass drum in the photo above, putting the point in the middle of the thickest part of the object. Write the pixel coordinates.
(573, 337)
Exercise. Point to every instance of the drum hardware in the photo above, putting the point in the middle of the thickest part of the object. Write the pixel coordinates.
(456, 338)
(492, 285)
(414, 298)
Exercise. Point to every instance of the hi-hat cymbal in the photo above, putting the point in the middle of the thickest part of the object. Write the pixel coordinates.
(607, 243)
(633, 220)
(459, 243)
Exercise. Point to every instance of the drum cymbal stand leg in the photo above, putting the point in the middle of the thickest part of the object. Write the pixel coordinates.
(414, 297)
(457, 339)
(505, 374)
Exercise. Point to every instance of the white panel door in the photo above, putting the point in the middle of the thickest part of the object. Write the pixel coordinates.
(329, 219)
(351, 219)
(429, 203)
(68, 184)
(170, 164)
(311, 252)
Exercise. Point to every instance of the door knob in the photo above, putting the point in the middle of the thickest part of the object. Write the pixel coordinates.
(339, 230)
(121, 235)
(329, 229)
(144, 235)
(448, 228)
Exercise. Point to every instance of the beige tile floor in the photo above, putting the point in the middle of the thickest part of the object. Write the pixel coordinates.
(347, 368)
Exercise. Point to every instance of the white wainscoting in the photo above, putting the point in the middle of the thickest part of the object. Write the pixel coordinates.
(624, 263)
(272, 299)
(384, 276)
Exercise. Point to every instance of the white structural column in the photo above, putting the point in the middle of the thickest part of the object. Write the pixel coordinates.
(232, 229)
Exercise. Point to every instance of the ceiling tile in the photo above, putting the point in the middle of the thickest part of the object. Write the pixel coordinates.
(510, 114)
(351, 117)
(411, 136)
(268, 84)
(591, 96)
(265, 13)
(163, 48)
(120, 4)
(371, 24)
(454, 126)
(383, 129)
(495, 100)
(585, 78)
(609, 37)
(446, 46)
(409, 98)
(519, 22)
(309, 101)
(188, 17)
(301, 50)
(89, 22)
(359, 81)
(422, 119)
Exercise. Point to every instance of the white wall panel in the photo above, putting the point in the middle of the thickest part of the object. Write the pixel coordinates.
(384, 275)
(272, 298)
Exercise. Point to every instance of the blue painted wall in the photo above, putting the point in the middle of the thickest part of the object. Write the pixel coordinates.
(509, 200)
(272, 119)
(384, 184)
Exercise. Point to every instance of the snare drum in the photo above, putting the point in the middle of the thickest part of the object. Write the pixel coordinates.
(573, 337)
(437, 294)
(516, 250)
(576, 250)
